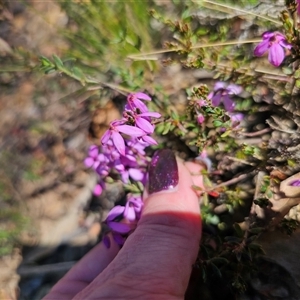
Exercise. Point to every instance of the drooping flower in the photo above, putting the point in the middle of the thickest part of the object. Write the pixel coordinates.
(275, 42)
(223, 93)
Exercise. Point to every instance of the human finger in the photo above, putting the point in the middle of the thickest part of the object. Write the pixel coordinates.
(84, 272)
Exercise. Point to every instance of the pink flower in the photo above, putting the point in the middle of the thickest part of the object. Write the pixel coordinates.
(200, 118)
(94, 157)
(114, 133)
(113, 218)
(275, 42)
(97, 190)
(222, 93)
(134, 101)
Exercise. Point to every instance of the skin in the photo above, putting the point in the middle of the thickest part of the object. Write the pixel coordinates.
(156, 260)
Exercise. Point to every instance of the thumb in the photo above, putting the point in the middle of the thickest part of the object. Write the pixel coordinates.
(170, 226)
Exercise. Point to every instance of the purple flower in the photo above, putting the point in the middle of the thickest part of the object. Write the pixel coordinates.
(295, 183)
(118, 238)
(122, 220)
(114, 133)
(275, 42)
(223, 92)
(113, 220)
(133, 208)
(142, 120)
(94, 158)
(134, 101)
(236, 119)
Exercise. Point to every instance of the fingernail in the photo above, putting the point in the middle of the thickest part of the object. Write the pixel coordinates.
(163, 171)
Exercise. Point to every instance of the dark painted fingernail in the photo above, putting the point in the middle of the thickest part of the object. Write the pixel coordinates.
(163, 171)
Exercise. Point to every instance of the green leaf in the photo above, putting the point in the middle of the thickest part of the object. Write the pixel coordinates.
(167, 128)
(140, 186)
(48, 70)
(217, 123)
(297, 83)
(78, 73)
(238, 230)
(58, 61)
(160, 128)
(216, 270)
(226, 133)
(45, 61)
(219, 260)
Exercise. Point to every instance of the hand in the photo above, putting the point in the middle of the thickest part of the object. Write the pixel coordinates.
(156, 259)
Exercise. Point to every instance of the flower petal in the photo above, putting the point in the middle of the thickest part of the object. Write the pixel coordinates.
(140, 105)
(144, 125)
(219, 85)
(149, 140)
(114, 213)
(143, 96)
(234, 89)
(88, 162)
(106, 136)
(262, 48)
(118, 238)
(200, 118)
(93, 151)
(238, 117)
(118, 142)
(121, 227)
(276, 55)
(216, 99)
(295, 183)
(97, 190)
(131, 130)
(136, 174)
(125, 177)
(129, 212)
(267, 35)
(228, 103)
(285, 44)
